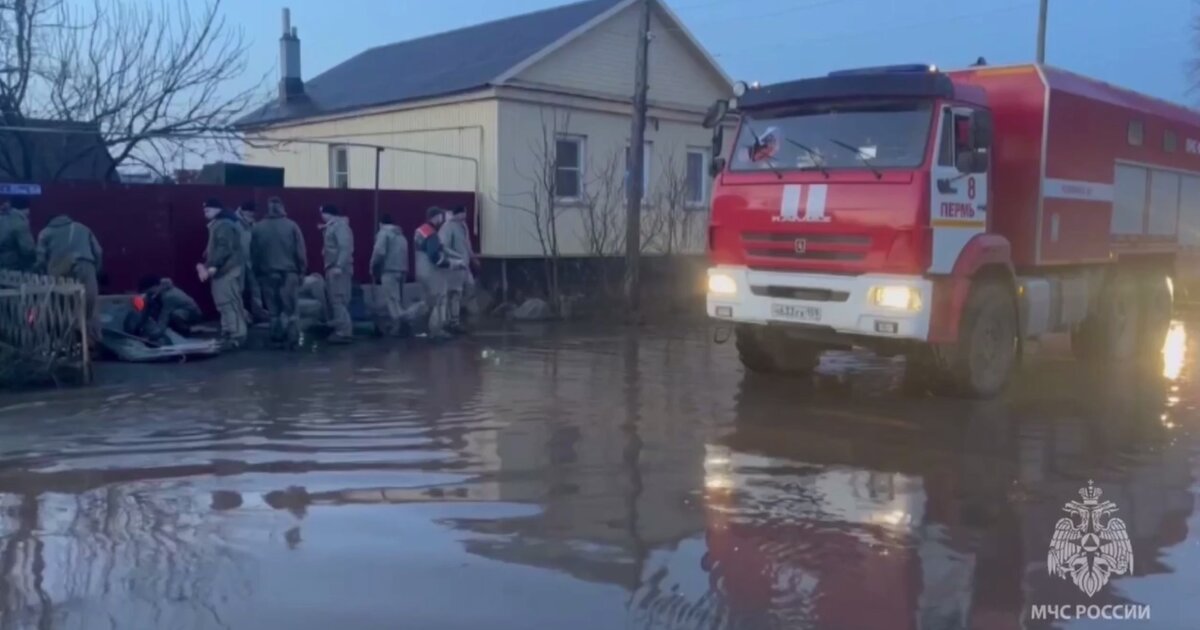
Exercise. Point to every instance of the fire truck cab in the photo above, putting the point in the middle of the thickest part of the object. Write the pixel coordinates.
(944, 216)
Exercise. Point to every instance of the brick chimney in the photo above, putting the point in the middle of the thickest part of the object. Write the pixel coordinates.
(291, 86)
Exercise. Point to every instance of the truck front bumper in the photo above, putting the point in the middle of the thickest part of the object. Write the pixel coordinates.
(822, 302)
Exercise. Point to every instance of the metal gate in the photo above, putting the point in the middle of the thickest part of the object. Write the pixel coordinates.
(43, 330)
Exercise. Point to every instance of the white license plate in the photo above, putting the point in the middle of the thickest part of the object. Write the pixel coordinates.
(794, 313)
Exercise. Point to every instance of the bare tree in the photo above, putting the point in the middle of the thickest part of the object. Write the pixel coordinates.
(602, 208)
(602, 220)
(157, 82)
(541, 199)
(677, 215)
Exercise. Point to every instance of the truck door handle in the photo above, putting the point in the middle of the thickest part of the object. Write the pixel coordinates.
(946, 187)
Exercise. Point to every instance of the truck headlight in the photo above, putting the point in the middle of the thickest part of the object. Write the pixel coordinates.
(901, 298)
(722, 284)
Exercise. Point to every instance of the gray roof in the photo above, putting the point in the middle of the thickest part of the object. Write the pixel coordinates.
(446, 63)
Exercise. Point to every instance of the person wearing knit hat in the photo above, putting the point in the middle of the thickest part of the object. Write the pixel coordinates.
(338, 255)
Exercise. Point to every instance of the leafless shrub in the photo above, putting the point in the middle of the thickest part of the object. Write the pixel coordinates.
(540, 199)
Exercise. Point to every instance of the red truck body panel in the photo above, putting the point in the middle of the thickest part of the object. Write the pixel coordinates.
(1065, 158)
(874, 224)
(1068, 185)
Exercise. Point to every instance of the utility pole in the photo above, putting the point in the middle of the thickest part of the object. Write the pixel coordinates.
(637, 156)
(1041, 49)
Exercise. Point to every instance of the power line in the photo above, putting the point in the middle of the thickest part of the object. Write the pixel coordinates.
(254, 142)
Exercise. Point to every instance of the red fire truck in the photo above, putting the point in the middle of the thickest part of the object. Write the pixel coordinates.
(949, 216)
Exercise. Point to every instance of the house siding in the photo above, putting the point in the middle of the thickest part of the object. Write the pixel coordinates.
(589, 77)
(603, 60)
(462, 129)
(513, 228)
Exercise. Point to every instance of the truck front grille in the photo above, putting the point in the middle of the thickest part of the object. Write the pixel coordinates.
(831, 247)
(810, 294)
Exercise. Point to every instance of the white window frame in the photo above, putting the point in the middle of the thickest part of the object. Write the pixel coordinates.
(581, 148)
(705, 183)
(647, 160)
(334, 174)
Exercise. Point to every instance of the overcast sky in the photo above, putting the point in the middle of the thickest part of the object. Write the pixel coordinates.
(1146, 45)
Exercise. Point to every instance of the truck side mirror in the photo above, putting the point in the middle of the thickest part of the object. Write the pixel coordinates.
(716, 166)
(716, 113)
(981, 130)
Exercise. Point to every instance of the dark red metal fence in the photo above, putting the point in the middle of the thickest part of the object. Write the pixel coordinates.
(161, 230)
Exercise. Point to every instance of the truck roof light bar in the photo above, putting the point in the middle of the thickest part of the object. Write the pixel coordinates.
(907, 68)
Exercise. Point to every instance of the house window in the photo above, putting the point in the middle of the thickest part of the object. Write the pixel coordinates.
(645, 169)
(568, 167)
(339, 167)
(1136, 132)
(1170, 141)
(696, 177)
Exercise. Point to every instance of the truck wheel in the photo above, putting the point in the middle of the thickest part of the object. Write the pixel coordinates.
(1112, 331)
(752, 352)
(980, 364)
(766, 351)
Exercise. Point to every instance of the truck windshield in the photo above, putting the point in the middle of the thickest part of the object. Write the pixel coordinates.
(874, 135)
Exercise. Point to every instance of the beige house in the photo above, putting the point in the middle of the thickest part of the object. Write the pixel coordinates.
(531, 112)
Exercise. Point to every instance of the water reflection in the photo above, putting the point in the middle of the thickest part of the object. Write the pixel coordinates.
(937, 513)
(1174, 351)
(597, 478)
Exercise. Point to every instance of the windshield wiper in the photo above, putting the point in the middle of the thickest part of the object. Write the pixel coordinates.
(758, 143)
(860, 155)
(817, 160)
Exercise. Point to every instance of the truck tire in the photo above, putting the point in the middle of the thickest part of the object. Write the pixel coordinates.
(981, 362)
(752, 352)
(765, 351)
(1112, 331)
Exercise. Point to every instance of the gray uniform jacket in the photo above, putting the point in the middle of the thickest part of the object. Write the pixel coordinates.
(457, 242)
(277, 246)
(176, 300)
(224, 251)
(245, 231)
(391, 251)
(63, 243)
(339, 245)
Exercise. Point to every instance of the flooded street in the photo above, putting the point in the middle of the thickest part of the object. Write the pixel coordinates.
(584, 478)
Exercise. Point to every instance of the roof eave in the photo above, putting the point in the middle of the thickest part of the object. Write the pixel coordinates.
(442, 98)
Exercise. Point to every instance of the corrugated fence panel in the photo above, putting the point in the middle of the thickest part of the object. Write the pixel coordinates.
(161, 230)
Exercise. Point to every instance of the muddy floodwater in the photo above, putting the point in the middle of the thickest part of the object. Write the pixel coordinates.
(580, 477)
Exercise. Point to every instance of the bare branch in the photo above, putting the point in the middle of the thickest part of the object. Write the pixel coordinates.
(677, 218)
(602, 207)
(155, 80)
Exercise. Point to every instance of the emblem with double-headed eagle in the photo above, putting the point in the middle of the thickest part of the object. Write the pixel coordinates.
(1092, 548)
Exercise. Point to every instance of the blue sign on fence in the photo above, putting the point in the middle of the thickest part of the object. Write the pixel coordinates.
(27, 190)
